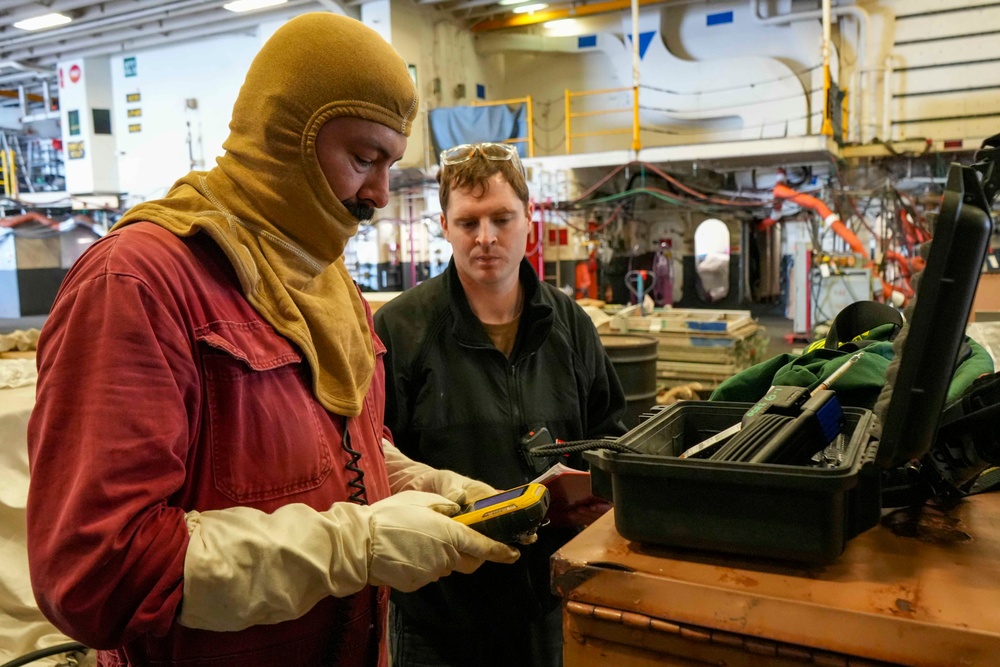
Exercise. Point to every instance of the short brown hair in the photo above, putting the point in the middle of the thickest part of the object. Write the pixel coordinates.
(475, 173)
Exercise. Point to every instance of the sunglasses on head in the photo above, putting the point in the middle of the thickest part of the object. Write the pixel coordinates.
(490, 151)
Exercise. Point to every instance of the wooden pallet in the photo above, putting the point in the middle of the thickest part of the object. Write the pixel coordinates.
(731, 323)
(705, 346)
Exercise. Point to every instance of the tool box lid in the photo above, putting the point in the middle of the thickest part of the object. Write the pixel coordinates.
(941, 311)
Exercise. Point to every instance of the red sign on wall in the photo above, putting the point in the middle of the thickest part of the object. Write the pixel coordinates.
(558, 237)
(74, 73)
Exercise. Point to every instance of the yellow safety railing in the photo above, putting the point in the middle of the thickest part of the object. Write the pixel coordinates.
(530, 139)
(570, 115)
(8, 172)
(827, 127)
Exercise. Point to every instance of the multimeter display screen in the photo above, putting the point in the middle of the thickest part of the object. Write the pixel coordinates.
(499, 498)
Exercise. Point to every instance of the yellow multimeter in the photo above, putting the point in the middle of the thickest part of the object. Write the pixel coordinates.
(508, 515)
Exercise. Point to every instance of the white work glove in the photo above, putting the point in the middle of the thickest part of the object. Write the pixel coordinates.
(405, 474)
(244, 567)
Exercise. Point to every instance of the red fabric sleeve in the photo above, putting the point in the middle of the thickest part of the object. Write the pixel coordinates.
(108, 439)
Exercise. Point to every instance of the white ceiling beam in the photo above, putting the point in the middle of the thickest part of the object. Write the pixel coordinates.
(469, 4)
(338, 8)
(208, 16)
(39, 9)
(110, 14)
(7, 5)
(163, 38)
(25, 76)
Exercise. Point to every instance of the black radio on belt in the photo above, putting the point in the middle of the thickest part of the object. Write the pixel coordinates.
(535, 437)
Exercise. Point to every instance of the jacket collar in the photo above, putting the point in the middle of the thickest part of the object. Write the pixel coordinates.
(536, 317)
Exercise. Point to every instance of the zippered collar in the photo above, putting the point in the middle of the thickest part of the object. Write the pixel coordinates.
(536, 316)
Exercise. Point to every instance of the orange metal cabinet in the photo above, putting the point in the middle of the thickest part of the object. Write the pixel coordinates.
(922, 588)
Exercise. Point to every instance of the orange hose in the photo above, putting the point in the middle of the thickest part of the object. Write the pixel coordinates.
(783, 192)
(15, 220)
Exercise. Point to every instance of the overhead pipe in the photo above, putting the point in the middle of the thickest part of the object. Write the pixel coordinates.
(478, 8)
(473, 4)
(859, 14)
(556, 14)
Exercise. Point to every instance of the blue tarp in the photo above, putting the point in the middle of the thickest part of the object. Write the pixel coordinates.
(451, 126)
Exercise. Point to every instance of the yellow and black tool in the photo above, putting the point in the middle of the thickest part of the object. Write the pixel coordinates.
(509, 515)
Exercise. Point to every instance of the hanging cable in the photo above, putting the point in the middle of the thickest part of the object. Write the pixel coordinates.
(360, 494)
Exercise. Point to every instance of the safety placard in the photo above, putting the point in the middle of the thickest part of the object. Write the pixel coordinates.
(137, 127)
(74, 150)
(133, 97)
(134, 113)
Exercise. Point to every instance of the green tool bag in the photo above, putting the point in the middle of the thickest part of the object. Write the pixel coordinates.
(865, 325)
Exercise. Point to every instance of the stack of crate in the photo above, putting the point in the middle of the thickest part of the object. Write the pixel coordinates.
(696, 345)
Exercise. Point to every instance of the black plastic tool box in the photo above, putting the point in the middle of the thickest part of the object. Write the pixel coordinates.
(805, 513)
(789, 512)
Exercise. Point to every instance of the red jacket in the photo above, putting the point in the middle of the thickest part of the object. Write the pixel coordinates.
(161, 391)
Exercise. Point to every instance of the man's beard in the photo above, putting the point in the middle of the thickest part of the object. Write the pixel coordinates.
(361, 211)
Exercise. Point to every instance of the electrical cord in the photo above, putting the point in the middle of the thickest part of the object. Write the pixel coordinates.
(577, 446)
(360, 494)
(71, 647)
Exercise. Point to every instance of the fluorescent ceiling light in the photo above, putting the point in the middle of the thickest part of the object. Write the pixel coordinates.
(250, 5)
(527, 9)
(562, 27)
(507, 3)
(44, 21)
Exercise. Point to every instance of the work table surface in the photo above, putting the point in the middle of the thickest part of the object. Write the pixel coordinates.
(922, 588)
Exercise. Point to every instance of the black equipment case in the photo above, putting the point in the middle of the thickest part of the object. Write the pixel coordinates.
(796, 512)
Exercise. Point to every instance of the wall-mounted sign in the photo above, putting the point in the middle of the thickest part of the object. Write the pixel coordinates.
(134, 113)
(73, 116)
(133, 97)
(130, 67)
(74, 149)
(137, 127)
(102, 121)
(74, 73)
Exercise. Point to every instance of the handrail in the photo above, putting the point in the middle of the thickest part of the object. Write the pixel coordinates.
(570, 115)
(8, 172)
(530, 139)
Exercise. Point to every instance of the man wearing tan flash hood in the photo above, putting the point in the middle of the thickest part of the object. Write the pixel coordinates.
(211, 479)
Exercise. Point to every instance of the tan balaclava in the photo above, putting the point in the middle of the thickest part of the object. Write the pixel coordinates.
(269, 206)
